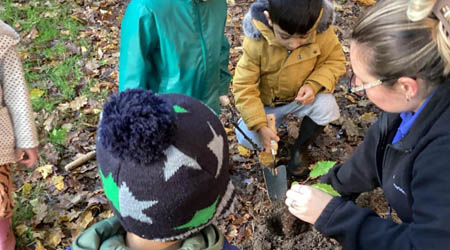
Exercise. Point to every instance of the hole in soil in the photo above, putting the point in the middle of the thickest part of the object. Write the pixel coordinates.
(275, 225)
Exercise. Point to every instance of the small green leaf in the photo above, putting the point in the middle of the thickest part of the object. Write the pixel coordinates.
(294, 183)
(321, 168)
(36, 93)
(57, 136)
(326, 188)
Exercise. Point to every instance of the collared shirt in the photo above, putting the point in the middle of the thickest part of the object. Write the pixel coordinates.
(408, 119)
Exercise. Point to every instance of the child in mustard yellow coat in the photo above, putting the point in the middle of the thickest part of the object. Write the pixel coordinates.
(291, 62)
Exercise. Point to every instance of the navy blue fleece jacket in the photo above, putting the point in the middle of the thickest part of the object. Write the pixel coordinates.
(414, 174)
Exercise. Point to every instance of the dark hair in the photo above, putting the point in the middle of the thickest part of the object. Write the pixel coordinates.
(295, 16)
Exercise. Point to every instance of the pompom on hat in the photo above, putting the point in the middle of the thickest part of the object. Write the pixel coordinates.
(163, 162)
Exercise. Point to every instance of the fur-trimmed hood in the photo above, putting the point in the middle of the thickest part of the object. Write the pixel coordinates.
(6, 30)
(257, 12)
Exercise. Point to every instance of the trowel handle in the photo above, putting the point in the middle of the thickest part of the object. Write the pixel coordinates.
(272, 126)
(271, 122)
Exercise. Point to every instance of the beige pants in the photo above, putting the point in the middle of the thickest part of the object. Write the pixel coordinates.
(323, 111)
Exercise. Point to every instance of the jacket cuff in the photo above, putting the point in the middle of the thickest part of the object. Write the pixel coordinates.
(256, 123)
(325, 216)
(315, 85)
(257, 127)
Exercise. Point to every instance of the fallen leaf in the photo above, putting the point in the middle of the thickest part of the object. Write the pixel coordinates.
(78, 102)
(86, 219)
(21, 229)
(45, 170)
(33, 34)
(243, 151)
(350, 98)
(229, 131)
(367, 2)
(351, 128)
(292, 128)
(50, 122)
(364, 102)
(39, 246)
(65, 32)
(26, 189)
(54, 237)
(265, 159)
(36, 93)
(67, 126)
(107, 214)
(58, 182)
(40, 209)
(63, 106)
(368, 117)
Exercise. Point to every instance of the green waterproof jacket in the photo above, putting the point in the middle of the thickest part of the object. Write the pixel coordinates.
(109, 235)
(176, 46)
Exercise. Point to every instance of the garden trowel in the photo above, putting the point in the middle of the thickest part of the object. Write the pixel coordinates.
(275, 176)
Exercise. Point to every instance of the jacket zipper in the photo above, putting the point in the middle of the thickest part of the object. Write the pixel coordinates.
(278, 82)
(202, 40)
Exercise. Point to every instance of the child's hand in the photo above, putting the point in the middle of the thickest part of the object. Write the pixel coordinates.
(306, 203)
(27, 156)
(266, 134)
(306, 95)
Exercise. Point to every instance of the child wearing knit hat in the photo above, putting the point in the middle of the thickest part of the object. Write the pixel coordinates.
(163, 161)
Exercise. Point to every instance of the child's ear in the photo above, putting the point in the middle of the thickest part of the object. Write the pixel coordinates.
(266, 13)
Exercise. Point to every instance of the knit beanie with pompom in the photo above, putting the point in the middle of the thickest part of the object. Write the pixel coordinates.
(163, 162)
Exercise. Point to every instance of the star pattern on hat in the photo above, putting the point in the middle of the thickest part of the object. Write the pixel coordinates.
(175, 160)
(216, 146)
(130, 206)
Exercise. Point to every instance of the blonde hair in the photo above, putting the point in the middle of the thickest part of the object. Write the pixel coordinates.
(404, 41)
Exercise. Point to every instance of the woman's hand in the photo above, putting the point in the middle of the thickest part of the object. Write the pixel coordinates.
(306, 203)
(27, 156)
(266, 134)
(306, 95)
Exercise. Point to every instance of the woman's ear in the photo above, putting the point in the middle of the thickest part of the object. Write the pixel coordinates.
(266, 13)
(408, 86)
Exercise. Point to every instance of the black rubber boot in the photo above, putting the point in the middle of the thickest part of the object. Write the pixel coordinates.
(299, 162)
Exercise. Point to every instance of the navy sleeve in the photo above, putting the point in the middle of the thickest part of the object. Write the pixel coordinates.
(360, 228)
(228, 246)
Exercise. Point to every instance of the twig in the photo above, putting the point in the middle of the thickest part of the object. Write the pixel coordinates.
(79, 161)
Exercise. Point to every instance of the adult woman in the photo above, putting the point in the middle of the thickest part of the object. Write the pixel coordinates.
(403, 66)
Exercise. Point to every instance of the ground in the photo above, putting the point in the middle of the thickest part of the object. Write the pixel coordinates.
(70, 53)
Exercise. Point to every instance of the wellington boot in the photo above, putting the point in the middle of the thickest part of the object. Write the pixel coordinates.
(300, 160)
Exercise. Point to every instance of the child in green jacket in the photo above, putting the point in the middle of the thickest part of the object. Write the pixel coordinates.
(176, 46)
(163, 161)
(291, 62)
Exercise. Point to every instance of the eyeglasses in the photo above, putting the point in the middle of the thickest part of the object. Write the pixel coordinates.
(360, 90)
